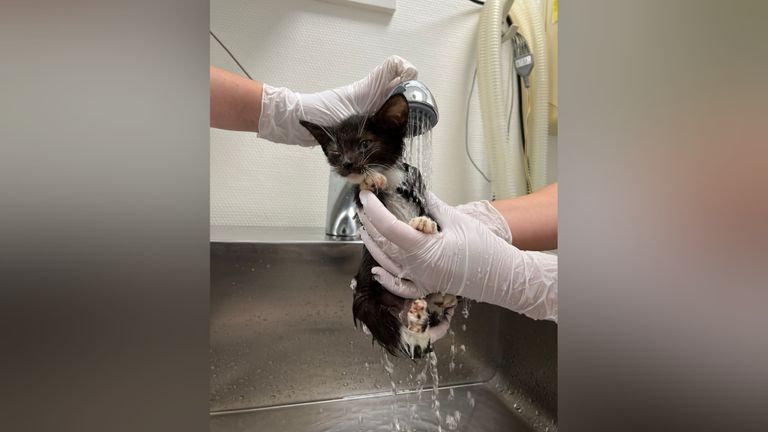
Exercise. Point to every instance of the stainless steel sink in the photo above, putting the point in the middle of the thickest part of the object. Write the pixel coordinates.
(285, 355)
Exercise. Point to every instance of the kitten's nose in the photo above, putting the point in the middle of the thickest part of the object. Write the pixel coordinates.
(347, 165)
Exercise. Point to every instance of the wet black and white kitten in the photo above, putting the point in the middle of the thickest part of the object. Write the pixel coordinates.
(368, 151)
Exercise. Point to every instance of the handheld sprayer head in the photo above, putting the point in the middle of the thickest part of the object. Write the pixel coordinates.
(423, 115)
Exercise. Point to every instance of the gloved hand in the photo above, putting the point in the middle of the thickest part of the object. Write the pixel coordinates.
(465, 258)
(281, 108)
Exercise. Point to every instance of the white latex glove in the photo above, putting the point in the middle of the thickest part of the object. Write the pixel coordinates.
(281, 108)
(465, 258)
(486, 214)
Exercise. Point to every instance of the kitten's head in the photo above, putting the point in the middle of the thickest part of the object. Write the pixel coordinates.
(362, 144)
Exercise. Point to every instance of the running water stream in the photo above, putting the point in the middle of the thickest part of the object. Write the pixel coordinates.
(390, 368)
(424, 374)
(418, 153)
(421, 371)
(418, 149)
(432, 362)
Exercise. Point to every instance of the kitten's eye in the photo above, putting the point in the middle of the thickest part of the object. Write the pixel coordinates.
(364, 144)
(334, 155)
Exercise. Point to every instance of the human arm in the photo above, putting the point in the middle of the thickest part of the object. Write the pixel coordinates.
(235, 101)
(274, 112)
(532, 218)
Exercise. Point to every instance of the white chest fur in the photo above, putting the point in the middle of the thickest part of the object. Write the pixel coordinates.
(402, 208)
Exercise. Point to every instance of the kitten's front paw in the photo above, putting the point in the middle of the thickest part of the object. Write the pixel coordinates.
(424, 224)
(374, 182)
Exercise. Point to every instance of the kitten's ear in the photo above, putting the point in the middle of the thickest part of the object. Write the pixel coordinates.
(320, 134)
(393, 115)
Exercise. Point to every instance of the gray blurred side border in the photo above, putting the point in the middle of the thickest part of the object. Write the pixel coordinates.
(662, 245)
(104, 215)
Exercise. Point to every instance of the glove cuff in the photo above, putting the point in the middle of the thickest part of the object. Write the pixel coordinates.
(487, 214)
(281, 110)
(502, 227)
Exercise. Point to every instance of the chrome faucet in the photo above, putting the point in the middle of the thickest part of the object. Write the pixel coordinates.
(340, 218)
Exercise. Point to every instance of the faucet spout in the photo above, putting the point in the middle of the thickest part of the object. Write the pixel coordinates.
(340, 220)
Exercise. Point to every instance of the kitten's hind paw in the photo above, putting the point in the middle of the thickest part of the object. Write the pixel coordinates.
(417, 316)
(374, 182)
(424, 224)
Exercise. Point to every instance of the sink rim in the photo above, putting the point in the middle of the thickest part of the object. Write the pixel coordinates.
(274, 235)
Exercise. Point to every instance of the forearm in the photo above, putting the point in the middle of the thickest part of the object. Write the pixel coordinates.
(532, 219)
(235, 101)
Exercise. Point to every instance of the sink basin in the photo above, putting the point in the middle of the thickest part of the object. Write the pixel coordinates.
(285, 355)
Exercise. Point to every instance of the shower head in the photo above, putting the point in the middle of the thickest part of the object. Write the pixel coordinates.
(422, 107)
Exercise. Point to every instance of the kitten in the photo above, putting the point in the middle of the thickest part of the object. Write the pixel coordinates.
(368, 151)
